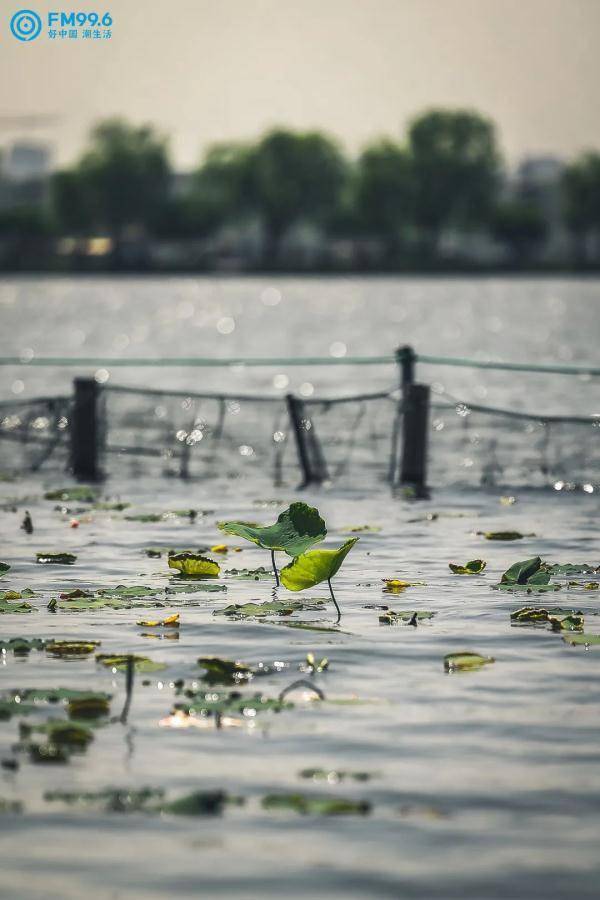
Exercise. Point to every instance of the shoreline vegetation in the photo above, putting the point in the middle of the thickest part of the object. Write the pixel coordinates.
(439, 200)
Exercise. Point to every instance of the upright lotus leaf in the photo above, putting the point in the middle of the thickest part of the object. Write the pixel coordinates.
(315, 566)
(4, 567)
(194, 565)
(296, 529)
(474, 567)
(521, 572)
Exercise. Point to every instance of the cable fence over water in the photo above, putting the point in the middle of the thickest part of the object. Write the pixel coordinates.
(407, 435)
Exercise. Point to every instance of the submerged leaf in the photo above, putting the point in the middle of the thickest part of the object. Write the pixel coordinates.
(465, 661)
(313, 805)
(474, 567)
(296, 529)
(315, 566)
(194, 565)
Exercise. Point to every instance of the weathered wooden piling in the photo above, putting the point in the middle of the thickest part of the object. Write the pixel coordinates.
(85, 430)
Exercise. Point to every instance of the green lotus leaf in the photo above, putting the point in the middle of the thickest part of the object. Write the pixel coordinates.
(82, 494)
(4, 568)
(504, 535)
(56, 559)
(224, 671)
(6, 607)
(126, 592)
(23, 594)
(233, 703)
(465, 661)
(405, 616)
(65, 648)
(315, 566)
(142, 664)
(194, 565)
(260, 574)
(112, 507)
(566, 623)
(521, 572)
(110, 799)
(195, 587)
(535, 615)
(64, 732)
(334, 775)
(21, 646)
(571, 568)
(201, 803)
(587, 640)
(48, 753)
(296, 529)
(474, 567)
(528, 588)
(254, 609)
(313, 805)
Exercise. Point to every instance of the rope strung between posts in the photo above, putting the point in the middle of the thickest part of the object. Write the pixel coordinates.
(254, 362)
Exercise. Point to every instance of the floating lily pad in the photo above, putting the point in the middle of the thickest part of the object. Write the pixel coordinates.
(296, 529)
(397, 586)
(312, 805)
(201, 803)
(314, 566)
(224, 671)
(362, 529)
(591, 586)
(128, 592)
(194, 587)
(23, 607)
(56, 559)
(404, 616)
(333, 776)
(587, 640)
(24, 594)
(66, 648)
(260, 574)
(81, 494)
(62, 732)
(256, 609)
(157, 552)
(169, 622)
(112, 507)
(474, 567)
(194, 565)
(142, 664)
(504, 535)
(80, 704)
(120, 800)
(76, 594)
(22, 646)
(571, 568)
(233, 703)
(465, 661)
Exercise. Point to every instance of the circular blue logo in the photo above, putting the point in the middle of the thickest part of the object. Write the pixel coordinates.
(26, 25)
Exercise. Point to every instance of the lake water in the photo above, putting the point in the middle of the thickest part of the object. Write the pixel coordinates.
(484, 784)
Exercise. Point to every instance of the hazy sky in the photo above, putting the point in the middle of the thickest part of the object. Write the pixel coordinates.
(208, 70)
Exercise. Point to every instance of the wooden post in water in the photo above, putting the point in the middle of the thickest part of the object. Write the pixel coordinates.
(407, 358)
(84, 430)
(295, 412)
(415, 428)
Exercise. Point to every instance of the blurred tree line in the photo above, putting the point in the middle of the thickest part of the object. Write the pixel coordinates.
(394, 206)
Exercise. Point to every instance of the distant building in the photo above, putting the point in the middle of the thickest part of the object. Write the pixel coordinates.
(26, 161)
(538, 181)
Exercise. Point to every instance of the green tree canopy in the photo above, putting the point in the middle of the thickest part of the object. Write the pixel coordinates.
(520, 225)
(125, 173)
(384, 192)
(294, 176)
(455, 166)
(581, 193)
